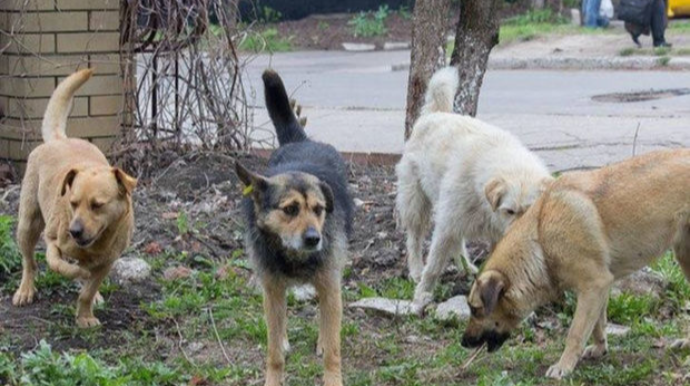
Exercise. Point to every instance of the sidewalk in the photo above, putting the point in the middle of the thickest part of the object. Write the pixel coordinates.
(356, 102)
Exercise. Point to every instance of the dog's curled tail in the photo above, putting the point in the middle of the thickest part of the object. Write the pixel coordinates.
(287, 127)
(60, 105)
(440, 92)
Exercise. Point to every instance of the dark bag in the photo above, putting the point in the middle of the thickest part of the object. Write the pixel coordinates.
(636, 11)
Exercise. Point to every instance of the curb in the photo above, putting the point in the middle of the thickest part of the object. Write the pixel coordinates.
(572, 63)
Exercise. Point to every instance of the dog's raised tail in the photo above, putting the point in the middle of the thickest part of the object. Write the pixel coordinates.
(440, 93)
(287, 126)
(60, 105)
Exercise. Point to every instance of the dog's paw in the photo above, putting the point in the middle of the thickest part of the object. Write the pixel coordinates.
(420, 302)
(558, 372)
(88, 322)
(595, 351)
(24, 296)
(680, 344)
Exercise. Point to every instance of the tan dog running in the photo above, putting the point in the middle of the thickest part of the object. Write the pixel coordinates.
(588, 230)
(83, 203)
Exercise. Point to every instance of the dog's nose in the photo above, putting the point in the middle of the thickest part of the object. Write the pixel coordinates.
(471, 341)
(312, 237)
(76, 230)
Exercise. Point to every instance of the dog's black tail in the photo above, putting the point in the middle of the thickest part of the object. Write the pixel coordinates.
(287, 127)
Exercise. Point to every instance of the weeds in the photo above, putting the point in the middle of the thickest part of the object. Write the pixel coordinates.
(367, 25)
(10, 258)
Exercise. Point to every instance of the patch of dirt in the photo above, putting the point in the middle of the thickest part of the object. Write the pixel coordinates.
(201, 195)
(329, 32)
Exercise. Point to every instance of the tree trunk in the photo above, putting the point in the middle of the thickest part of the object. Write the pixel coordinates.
(477, 34)
(428, 54)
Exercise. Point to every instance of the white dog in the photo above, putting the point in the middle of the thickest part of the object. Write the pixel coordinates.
(475, 177)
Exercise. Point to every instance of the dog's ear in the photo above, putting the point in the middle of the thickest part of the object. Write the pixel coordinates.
(255, 184)
(494, 191)
(491, 288)
(68, 180)
(125, 182)
(328, 195)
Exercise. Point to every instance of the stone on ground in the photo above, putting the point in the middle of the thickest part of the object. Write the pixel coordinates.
(617, 329)
(130, 270)
(304, 293)
(455, 307)
(391, 307)
(642, 282)
(358, 47)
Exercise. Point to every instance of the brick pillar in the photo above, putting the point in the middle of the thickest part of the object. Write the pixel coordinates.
(48, 40)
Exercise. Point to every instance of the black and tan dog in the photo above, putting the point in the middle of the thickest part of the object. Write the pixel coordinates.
(587, 230)
(299, 216)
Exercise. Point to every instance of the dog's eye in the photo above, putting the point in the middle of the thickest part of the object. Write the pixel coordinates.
(291, 210)
(96, 205)
(318, 210)
(510, 212)
(73, 204)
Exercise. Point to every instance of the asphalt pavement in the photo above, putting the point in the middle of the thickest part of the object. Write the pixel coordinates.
(356, 102)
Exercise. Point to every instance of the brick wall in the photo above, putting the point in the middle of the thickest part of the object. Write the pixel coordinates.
(49, 40)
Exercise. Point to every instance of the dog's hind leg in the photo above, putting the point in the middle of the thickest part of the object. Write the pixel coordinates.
(275, 309)
(446, 242)
(29, 229)
(681, 249)
(328, 288)
(414, 209)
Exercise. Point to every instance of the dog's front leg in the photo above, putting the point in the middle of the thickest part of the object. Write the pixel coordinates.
(275, 309)
(331, 312)
(58, 265)
(589, 307)
(85, 316)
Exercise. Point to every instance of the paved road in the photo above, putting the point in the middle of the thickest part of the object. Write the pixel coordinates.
(356, 102)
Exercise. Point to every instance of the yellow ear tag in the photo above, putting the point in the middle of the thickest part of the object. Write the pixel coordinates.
(248, 190)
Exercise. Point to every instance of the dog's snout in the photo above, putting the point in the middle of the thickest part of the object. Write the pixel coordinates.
(312, 237)
(76, 230)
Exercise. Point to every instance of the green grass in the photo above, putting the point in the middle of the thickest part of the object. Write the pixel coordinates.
(10, 259)
(534, 24)
(268, 40)
(681, 26)
(405, 351)
(658, 51)
(370, 24)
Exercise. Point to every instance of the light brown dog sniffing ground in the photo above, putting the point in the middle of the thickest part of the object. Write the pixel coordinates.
(83, 203)
(588, 230)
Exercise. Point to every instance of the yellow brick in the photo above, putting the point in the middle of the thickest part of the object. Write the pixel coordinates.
(93, 127)
(105, 64)
(104, 143)
(104, 21)
(88, 4)
(35, 108)
(19, 130)
(47, 65)
(23, 5)
(105, 105)
(28, 43)
(49, 21)
(4, 148)
(88, 42)
(27, 87)
(101, 85)
(21, 149)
